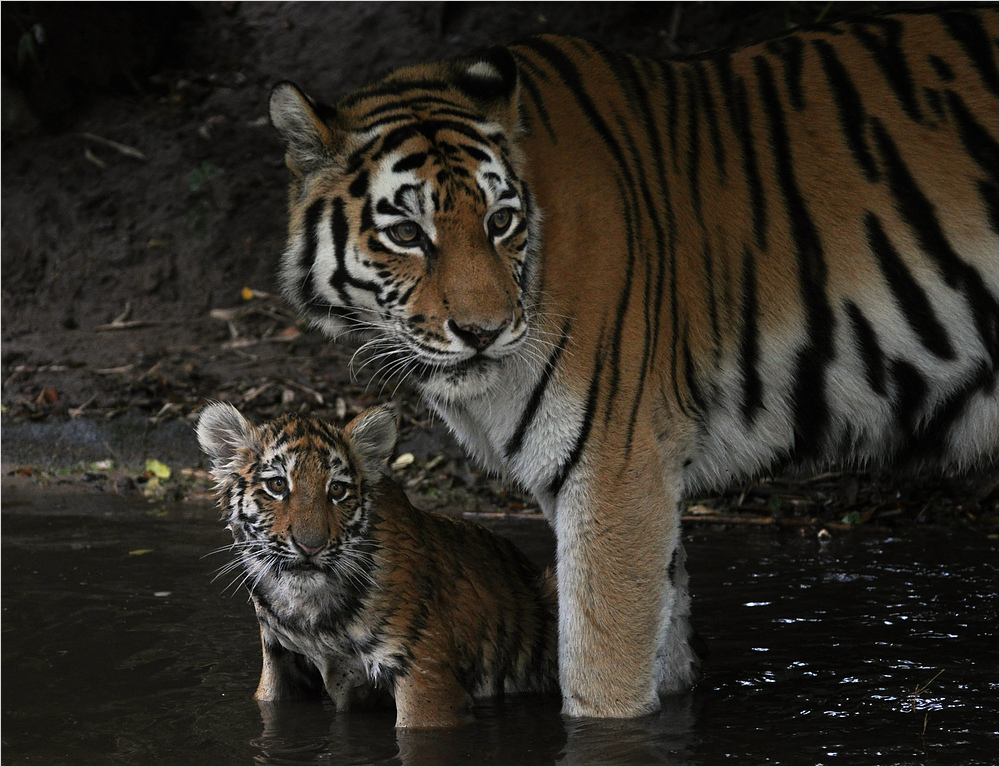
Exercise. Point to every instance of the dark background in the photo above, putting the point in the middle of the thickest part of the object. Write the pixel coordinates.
(143, 208)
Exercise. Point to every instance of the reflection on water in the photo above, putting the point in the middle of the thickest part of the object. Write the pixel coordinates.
(117, 648)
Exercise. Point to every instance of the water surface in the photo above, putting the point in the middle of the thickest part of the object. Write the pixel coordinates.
(119, 649)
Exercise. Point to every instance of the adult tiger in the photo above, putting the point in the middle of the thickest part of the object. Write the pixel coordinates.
(620, 280)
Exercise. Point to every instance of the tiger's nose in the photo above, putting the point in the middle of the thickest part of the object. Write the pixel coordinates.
(477, 336)
(309, 546)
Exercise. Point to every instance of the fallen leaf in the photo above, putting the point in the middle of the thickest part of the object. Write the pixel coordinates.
(160, 470)
(402, 462)
(140, 552)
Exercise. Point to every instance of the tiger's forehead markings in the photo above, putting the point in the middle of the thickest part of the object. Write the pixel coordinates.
(306, 440)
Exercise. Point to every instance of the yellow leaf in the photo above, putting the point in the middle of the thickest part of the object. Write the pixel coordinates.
(139, 552)
(402, 462)
(160, 470)
(247, 294)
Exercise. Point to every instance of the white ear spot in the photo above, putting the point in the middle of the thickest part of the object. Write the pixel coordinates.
(484, 70)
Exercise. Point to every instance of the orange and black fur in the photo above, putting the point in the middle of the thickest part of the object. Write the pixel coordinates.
(357, 591)
(621, 281)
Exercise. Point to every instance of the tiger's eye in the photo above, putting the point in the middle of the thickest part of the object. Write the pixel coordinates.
(338, 491)
(499, 221)
(276, 485)
(404, 233)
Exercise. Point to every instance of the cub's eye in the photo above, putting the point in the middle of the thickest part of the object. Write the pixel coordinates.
(276, 485)
(499, 221)
(338, 491)
(404, 233)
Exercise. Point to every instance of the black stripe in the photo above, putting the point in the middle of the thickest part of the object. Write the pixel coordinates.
(882, 37)
(941, 68)
(429, 129)
(911, 391)
(665, 250)
(359, 186)
(789, 50)
(311, 229)
(528, 71)
(991, 200)
(711, 117)
(556, 485)
(933, 99)
(749, 343)
(394, 88)
(978, 142)
(708, 261)
(934, 432)
(735, 101)
(969, 31)
(571, 77)
(850, 110)
(868, 348)
(648, 338)
(690, 373)
(410, 162)
(672, 97)
(910, 297)
(516, 440)
(310, 225)
(915, 207)
(694, 141)
(341, 277)
(812, 416)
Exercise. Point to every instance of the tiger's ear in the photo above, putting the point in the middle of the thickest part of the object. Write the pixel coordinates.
(373, 435)
(303, 126)
(222, 433)
(490, 79)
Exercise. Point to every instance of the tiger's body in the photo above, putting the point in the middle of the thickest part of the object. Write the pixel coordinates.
(356, 591)
(620, 281)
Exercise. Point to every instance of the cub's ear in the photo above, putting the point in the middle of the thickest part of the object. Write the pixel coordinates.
(304, 127)
(222, 433)
(373, 435)
(490, 79)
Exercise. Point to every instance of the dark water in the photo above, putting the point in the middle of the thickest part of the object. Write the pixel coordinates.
(817, 651)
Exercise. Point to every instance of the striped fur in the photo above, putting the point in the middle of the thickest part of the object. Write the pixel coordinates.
(715, 267)
(356, 591)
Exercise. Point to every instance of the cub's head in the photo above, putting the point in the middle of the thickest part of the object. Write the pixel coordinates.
(297, 492)
(410, 222)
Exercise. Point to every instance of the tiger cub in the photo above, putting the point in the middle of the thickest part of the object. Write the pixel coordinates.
(357, 589)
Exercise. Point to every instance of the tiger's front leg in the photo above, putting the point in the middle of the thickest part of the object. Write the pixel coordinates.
(623, 601)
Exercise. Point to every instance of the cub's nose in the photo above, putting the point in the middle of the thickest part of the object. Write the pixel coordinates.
(476, 336)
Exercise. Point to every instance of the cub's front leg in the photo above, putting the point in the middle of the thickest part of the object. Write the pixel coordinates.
(288, 674)
(284, 674)
(430, 696)
(623, 602)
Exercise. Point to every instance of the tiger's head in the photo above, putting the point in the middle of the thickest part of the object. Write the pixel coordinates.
(410, 222)
(296, 492)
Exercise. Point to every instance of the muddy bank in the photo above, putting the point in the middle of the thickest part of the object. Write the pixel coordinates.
(143, 215)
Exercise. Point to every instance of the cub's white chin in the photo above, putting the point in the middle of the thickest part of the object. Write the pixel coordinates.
(463, 382)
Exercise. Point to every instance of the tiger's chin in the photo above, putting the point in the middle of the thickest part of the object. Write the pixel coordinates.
(467, 380)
